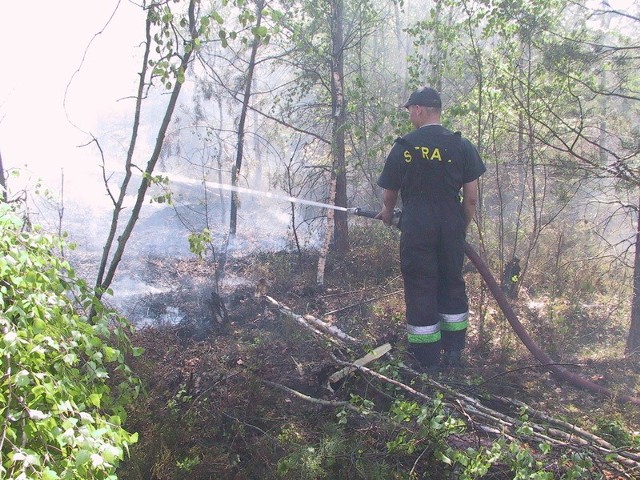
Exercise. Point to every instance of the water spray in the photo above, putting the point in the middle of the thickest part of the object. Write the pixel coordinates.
(352, 210)
(274, 196)
(249, 191)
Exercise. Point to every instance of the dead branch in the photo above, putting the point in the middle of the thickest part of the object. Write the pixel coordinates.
(307, 398)
(489, 420)
(314, 324)
(536, 427)
(572, 431)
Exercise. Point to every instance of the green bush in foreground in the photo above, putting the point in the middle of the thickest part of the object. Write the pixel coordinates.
(64, 379)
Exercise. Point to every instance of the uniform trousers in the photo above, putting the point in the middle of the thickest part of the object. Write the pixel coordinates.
(431, 258)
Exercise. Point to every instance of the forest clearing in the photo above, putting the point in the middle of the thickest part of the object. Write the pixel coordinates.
(193, 284)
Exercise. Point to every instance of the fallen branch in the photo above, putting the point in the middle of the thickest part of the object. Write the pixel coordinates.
(491, 421)
(480, 417)
(573, 431)
(312, 322)
(307, 398)
(384, 378)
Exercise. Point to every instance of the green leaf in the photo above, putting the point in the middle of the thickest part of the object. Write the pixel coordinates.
(96, 460)
(26, 456)
(94, 399)
(48, 474)
(10, 338)
(110, 354)
(260, 31)
(82, 457)
(37, 415)
(112, 454)
(22, 378)
(70, 358)
(38, 325)
(216, 16)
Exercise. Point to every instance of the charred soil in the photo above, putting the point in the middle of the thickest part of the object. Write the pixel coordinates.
(246, 395)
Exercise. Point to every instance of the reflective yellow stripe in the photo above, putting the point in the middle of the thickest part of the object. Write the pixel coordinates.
(454, 322)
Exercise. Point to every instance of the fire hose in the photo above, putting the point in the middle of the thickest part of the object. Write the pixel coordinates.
(545, 360)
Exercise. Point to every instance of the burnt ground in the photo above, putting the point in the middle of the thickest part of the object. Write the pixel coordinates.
(214, 404)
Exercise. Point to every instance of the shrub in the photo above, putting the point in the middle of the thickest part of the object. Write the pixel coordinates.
(62, 411)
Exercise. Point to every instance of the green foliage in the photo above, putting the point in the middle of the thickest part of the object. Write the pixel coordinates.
(434, 423)
(199, 242)
(243, 26)
(313, 461)
(162, 181)
(188, 463)
(62, 415)
(181, 398)
(167, 66)
(614, 432)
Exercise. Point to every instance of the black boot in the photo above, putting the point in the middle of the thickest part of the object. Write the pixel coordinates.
(427, 355)
(452, 359)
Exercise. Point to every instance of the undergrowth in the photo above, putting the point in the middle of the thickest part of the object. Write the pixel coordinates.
(208, 412)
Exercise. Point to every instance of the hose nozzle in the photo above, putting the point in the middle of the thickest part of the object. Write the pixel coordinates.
(373, 214)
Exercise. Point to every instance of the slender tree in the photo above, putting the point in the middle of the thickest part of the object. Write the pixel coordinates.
(177, 47)
(338, 124)
(259, 32)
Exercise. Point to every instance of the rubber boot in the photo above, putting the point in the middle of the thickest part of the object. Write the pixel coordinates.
(427, 355)
(452, 359)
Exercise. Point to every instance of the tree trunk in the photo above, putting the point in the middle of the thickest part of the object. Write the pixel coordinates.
(235, 171)
(108, 266)
(322, 259)
(3, 183)
(633, 340)
(339, 122)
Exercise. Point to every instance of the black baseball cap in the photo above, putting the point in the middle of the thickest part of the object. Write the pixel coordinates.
(425, 96)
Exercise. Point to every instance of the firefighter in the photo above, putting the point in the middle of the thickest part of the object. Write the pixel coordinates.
(427, 169)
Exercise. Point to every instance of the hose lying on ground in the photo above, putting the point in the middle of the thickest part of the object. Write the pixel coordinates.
(560, 372)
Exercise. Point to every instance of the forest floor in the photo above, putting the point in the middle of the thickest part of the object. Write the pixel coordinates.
(250, 397)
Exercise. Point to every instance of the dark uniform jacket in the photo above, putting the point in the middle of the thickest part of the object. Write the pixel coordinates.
(431, 162)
